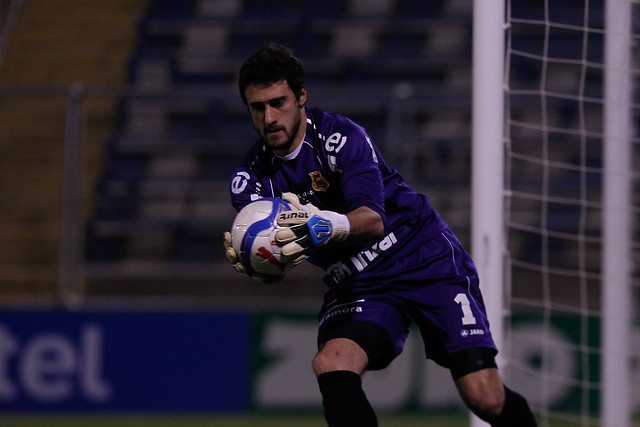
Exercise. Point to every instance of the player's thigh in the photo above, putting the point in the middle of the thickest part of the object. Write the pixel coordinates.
(376, 326)
(449, 313)
(454, 322)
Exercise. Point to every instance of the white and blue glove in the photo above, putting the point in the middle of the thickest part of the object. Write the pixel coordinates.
(306, 227)
(234, 259)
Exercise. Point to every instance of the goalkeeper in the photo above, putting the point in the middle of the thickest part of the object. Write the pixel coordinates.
(390, 259)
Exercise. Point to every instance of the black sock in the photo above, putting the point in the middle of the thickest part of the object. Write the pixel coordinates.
(344, 401)
(516, 412)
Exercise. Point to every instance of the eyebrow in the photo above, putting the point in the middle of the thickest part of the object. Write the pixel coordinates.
(271, 101)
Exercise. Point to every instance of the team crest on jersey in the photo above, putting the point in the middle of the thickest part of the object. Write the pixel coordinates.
(318, 182)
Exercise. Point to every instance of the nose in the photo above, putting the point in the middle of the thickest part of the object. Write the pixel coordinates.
(269, 115)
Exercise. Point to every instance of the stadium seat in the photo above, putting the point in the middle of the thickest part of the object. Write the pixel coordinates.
(182, 128)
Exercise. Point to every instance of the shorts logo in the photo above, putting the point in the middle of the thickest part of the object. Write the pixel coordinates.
(468, 332)
(318, 182)
(341, 309)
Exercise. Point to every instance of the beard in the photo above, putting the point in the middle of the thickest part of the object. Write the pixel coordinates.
(281, 138)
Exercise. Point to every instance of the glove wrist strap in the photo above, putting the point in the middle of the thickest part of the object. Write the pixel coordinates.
(340, 223)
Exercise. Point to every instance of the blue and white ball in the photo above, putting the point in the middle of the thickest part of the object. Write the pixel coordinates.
(253, 237)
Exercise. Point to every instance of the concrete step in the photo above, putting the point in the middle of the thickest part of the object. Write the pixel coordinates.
(55, 42)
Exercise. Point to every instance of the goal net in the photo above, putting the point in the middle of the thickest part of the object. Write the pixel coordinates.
(571, 109)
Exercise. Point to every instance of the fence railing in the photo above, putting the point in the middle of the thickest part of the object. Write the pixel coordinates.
(73, 198)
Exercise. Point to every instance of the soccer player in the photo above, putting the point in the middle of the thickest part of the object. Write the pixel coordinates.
(390, 259)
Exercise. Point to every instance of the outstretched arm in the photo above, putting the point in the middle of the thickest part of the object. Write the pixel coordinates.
(365, 224)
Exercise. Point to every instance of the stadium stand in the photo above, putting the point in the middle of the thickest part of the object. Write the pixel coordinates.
(400, 68)
(53, 45)
(183, 129)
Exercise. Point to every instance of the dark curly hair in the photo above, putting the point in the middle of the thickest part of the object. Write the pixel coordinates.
(272, 63)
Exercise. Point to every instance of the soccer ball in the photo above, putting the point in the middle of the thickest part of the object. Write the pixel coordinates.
(253, 237)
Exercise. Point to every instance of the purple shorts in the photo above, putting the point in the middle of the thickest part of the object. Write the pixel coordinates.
(436, 288)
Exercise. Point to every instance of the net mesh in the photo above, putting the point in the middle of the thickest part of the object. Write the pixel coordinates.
(554, 203)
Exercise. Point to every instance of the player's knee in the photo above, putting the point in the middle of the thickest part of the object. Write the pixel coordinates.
(321, 364)
(326, 361)
(339, 355)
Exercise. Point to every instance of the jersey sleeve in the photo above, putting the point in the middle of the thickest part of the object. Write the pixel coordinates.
(351, 152)
(245, 186)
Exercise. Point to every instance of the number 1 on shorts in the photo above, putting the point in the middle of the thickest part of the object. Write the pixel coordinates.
(467, 314)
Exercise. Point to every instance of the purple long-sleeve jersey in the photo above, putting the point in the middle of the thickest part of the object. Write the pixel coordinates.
(337, 167)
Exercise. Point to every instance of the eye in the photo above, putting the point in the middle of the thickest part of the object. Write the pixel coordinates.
(278, 102)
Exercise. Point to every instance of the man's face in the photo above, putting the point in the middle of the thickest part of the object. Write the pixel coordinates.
(277, 115)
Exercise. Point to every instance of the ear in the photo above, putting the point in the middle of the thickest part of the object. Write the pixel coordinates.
(302, 99)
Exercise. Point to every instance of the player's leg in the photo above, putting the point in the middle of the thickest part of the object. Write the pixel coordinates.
(338, 366)
(451, 315)
(482, 390)
(340, 354)
(350, 340)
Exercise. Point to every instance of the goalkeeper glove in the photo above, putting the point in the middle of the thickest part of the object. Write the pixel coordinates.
(307, 227)
(231, 254)
(234, 259)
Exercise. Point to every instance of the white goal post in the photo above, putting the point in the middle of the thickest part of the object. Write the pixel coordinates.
(487, 164)
(490, 192)
(617, 223)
